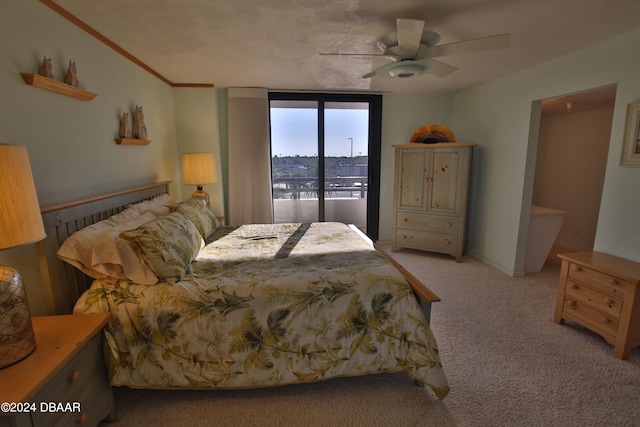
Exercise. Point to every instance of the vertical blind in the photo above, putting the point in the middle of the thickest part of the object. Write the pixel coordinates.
(249, 157)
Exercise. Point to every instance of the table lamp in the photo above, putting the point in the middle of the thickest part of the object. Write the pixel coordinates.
(199, 169)
(20, 224)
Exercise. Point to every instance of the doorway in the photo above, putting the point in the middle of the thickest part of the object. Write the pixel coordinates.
(325, 158)
(573, 146)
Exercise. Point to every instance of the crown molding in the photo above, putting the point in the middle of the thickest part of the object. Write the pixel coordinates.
(90, 30)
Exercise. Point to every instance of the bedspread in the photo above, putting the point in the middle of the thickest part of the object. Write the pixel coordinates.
(266, 305)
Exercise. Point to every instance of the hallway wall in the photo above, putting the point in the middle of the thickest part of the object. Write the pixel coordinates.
(570, 168)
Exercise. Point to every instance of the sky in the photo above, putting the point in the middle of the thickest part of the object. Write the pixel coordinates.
(294, 132)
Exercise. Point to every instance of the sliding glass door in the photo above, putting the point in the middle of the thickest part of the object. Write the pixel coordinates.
(295, 163)
(325, 158)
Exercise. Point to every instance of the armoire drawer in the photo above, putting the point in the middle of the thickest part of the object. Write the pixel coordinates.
(428, 223)
(420, 240)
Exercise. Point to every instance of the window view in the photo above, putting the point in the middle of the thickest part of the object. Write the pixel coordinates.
(320, 173)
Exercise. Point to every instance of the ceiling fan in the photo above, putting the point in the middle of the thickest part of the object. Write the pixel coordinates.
(412, 50)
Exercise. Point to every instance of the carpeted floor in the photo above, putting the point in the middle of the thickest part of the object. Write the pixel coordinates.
(507, 362)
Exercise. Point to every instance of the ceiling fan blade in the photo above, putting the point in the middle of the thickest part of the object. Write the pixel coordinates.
(369, 75)
(441, 69)
(350, 54)
(409, 35)
(398, 53)
(467, 46)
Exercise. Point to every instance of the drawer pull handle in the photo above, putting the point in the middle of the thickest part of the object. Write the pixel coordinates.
(604, 320)
(571, 303)
(447, 242)
(577, 268)
(75, 377)
(429, 180)
(607, 301)
(573, 286)
(613, 281)
(83, 418)
(406, 219)
(448, 225)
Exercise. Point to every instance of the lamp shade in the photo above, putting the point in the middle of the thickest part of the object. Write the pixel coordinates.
(199, 168)
(20, 218)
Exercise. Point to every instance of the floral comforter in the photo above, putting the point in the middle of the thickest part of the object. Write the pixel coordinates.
(267, 305)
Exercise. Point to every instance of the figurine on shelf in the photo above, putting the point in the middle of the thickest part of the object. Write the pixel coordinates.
(46, 69)
(139, 128)
(125, 127)
(72, 75)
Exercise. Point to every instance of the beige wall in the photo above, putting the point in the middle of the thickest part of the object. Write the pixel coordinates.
(570, 169)
(198, 130)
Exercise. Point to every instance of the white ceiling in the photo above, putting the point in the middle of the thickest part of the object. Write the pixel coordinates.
(276, 43)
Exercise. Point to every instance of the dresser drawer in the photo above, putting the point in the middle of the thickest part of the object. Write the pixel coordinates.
(432, 241)
(90, 397)
(594, 319)
(600, 291)
(604, 282)
(428, 223)
(64, 379)
(83, 381)
(604, 302)
(87, 364)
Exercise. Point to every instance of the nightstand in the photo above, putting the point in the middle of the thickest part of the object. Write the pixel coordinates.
(600, 291)
(64, 381)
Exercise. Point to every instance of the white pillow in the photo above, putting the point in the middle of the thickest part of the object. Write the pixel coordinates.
(99, 252)
(159, 205)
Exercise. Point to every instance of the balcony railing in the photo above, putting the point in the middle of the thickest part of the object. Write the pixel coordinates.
(307, 188)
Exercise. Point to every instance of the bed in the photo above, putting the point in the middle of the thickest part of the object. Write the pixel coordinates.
(258, 305)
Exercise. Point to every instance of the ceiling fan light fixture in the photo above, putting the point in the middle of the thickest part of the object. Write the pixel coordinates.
(405, 71)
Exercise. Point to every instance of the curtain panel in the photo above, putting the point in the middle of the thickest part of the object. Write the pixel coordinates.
(249, 157)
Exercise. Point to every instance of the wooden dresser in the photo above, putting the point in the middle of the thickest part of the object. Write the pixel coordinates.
(64, 381)
(431, 196)
(600, 292)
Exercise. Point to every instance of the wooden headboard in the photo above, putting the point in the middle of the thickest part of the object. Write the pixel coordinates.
(62, 283)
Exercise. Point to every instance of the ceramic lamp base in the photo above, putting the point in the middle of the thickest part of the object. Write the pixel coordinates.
(16, 334)
(200, 194)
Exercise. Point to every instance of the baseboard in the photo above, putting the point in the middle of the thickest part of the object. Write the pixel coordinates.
(477, 255)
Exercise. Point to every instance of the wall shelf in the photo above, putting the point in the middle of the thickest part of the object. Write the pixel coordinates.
(51, 85)
(130, 141)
